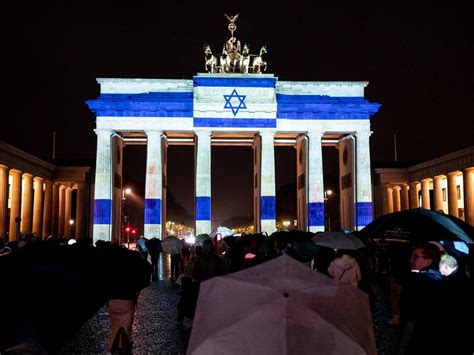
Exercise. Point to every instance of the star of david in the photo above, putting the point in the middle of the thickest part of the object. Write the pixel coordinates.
(235, 102)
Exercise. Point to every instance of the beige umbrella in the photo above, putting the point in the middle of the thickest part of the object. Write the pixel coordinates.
(281, 307)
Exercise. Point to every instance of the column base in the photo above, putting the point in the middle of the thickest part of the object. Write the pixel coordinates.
(268, 226)
(102, 232)
(203, 227)
(152, 231)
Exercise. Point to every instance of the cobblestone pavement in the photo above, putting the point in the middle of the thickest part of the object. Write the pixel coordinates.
(155, 331)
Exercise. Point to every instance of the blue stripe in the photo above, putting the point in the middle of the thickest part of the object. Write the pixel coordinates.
(102, 211)
(319, 107)
(170, 104)
(316, 214)
(235, 82)
(267, 207)
(152, 211)
(203, 208)
(235, 122)
(364, 213)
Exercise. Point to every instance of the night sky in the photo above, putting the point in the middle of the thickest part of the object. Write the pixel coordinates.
(417, 59)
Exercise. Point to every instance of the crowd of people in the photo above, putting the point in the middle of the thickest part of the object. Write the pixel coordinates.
(430, 289)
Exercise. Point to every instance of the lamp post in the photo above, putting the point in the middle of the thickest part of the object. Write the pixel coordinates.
(71, 226)
(125, 217)
(327, 220)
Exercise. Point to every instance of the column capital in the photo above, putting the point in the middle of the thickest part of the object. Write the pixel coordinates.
(267, 133)
(201, 133)
(438, 177)
(153, 132)
(15, 172)
(317, 134)
(469, 170)
(38, 179)
(27, 175)
(102, 131)
(363, 133)
(61, 187)
(426, 180)
(397, 188)
(47, 182)
(454, 173)
(4, 167)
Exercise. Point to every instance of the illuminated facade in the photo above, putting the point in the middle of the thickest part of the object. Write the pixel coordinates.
(443, 184)
(234, 109)
(38, 198)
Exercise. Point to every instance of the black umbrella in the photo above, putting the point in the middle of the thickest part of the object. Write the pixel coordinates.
(419, 225)
(48, 292)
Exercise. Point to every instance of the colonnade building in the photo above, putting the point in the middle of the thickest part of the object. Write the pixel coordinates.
(233, 109)
(38, 198)
(444, 184)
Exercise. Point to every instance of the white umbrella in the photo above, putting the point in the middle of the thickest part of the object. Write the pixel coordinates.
(338, 240)
(223, 231)
(171, 245)
(281, 307)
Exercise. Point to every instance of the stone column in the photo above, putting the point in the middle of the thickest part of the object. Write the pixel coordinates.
(153, 185)
(389, 200)
(438, 193)
(468, 178)
(267, 183)
(302, 182)
(3, 200)
(80, 211)
(453, 194)
(67, 212)
(315, 182)
(103, 187)
(203, 182)
(62, 210)
(257, 168)
(404, 198)
(27, 204)
(15, 205)
(414, 195)
(396, 199)
(47, 209)
(425, 193)
(38, 207)
(55, 210)
(363, 199)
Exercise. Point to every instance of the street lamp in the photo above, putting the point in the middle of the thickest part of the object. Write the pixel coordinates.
(71, 225)
(327, 220)
(125, 216)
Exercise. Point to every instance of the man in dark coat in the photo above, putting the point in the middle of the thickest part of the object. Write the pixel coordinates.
(154, 248)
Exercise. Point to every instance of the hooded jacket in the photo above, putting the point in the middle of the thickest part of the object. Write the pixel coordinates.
(346, 270)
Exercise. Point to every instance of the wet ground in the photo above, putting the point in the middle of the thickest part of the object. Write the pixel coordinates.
(155, 330)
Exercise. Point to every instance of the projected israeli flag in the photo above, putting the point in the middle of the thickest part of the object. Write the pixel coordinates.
(234, 100)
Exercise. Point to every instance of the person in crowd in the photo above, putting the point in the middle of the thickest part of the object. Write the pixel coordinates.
(448, 265)
(418, 300)
(153, 246)
(345, 268)
(122, 299)
(175, 266)
(142, 248)
(208, 264)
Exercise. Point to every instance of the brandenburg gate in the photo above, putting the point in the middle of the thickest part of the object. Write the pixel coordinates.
(234, 103)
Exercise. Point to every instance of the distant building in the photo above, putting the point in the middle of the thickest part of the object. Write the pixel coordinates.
(39, 198)
(442, 184)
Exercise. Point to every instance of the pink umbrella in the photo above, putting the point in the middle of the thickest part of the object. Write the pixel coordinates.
(281, 307)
